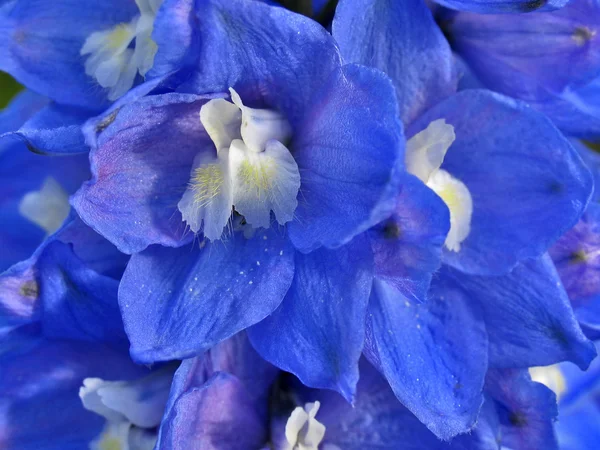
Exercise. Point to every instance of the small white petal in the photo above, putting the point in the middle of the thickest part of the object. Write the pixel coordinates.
(264, 182)
(91, 400)
(221, 120)
(126, 78)
(302, 430)
(207, 202)
(261, 125)
(294, 424)
(458, 199)
(140, 402)
(426, 150)
(48, 208)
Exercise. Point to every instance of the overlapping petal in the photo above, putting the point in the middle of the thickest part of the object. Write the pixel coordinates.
(528, 316)
(433, 355)
(318, 331)
(141, 169)
(197, 297)
(402, 40)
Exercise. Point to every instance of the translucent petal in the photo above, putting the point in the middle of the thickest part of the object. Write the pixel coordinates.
(208, 197)
(126, 78)
(264, 182)
(425, 151)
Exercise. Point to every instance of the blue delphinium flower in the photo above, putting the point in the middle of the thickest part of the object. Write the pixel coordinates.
(550, 60)
(316, 143)
(75, 53)
(513, 184)
(478, 152)
(34, 189)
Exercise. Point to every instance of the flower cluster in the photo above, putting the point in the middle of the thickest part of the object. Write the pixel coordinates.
(334, 225)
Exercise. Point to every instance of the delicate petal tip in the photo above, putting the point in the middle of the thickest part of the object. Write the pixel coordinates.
(425, 151)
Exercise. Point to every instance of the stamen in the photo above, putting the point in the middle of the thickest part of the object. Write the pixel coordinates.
(206, 183)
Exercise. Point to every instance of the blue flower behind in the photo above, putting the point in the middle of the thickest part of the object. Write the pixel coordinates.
(550, 60)
(347, 143)
(59, 325)
(274, 410)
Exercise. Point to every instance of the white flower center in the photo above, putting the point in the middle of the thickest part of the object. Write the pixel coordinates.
(48, 208)
(112, 62)
(302, 430)
(425, 153)
(251, 170)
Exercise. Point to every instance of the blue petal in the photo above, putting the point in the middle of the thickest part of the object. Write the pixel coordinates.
(236, 356)
(403, 40)
(78, 303)
(580, 386)
(141, 164)
(24, 105)
(433, 355)
(578, 429)
(503, 6)
(350, 152)
(527, 183)
(591, 158)
(218, 415)
(577, 259)
(526, 410)
(407, 247)
(177, 303)
(318, 331)
(575, 111)
(266, 53)
(56, 129)
(40, 45)
(528, 316)
(39, 382)
(176, 34)
(66, 288)
(530, 56)
(232, 359)
(97, 253)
